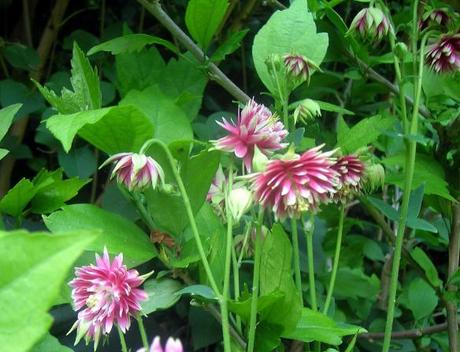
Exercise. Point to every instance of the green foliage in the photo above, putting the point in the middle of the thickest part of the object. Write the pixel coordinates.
(50, 344)
(427, 265)
(37, 266)
(286, 31)
(117, 234)
(163, 293)
(113, 130)
(203, 18)
(231, 44)
(420, 298)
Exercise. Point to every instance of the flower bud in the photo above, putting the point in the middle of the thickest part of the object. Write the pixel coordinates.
(299, 68)
(374, 177)
(307, 111)
(401, 50)
(239, 202)
(436, 17)
(370, 24)
(274, 63)
(136, 171)
(259, 160)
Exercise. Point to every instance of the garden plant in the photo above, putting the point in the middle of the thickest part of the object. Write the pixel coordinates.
(226, 175)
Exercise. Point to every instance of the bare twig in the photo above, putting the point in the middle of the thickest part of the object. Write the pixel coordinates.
(406, 334)
(216, 74)
(451, 306)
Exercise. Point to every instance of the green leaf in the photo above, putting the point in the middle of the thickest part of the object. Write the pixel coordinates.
(363, 286)
(169, 120)
(427, 171)
(421, 298)
(3, 153)
(6, 118)
(35, 267)
(427, 265)
(363, 133)
(230, 45)
(285, 31)
(13, 92)
(276, 275)
(315, 326)
(17, 198)
(163, 293)
(50, 344)
(203, 18)
(85, 80)
(203, 291)
(334, 108)
(79, 162)
(118, 234)
(130, 43)
(21, 56)
(113, 130)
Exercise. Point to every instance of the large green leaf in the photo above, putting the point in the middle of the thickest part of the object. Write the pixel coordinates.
(17, 198)
(6, 118)
(427, 265)
(363, 133)
(50, 344)
(163, 293)
(276, 276)
(112, 130)
(203, 18)
(34, 267)
(420, 298)
(169, 120)
(285, 31)
(129, 43)
(363, 285)
(315, 326)
(231, 44)
(117, 234)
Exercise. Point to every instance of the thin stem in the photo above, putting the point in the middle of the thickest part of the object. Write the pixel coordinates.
(144, 338)
(243, 246)
(311, 265)
(227, 267)
(335, 266)
(122, 340)
(188, 208)
(255, 284)
(410, 164)
(236, 285)
(295, 248)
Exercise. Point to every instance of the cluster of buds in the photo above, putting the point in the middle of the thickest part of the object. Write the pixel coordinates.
(308, 110)
(443, 56)
(136, 171)
(371, 25)
(438, 17)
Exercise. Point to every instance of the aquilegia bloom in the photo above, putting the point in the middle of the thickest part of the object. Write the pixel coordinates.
(351, 171)
(136, 171)
(105, 294)
(172, 345)
(437, 16)
(291, 186)
(256, 126)
(444, 55)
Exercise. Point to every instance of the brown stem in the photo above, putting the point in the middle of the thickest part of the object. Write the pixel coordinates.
(215, 73)
(406, 334)
(451, 305)
(18, 129)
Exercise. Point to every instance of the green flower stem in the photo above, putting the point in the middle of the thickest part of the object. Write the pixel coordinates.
(410, 164)
(122, 340)
(255, 284)
(243, 246)
(335, 266)
(227, 267)
(144, 339)
(295, 248)
(236, 286)
(190, 215)
(311, 265)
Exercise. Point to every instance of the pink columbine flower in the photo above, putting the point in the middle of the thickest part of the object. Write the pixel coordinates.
(256, 126)
(370, 24)
(296, 184)
(444, 55)
(136, 171)
(172, 345)
(105, 294)
(351, 172)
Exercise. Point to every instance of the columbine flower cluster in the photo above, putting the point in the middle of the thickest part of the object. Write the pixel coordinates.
(106, 294)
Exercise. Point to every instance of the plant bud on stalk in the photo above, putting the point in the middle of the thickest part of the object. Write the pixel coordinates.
(239, 202)
(370, 24)
(444, 55)
(299, 67)
(308, 110)
(135, 171)
(351, 171)
(438, 17)
(374, 177)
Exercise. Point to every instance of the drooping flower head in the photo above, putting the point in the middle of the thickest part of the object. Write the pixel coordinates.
(136, 171)
(351, 171)
(105, 294)
(299, 67)
(296, 184)
(444, 55)
(255, 126)
(370, 24)
(438, 17)
(172, 345)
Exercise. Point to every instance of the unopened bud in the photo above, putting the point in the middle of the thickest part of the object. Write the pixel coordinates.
(308, 110)
(370, 24)
(274, 63)
(374, 177)
(259, 161)
(239, 202)
(401, 50)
